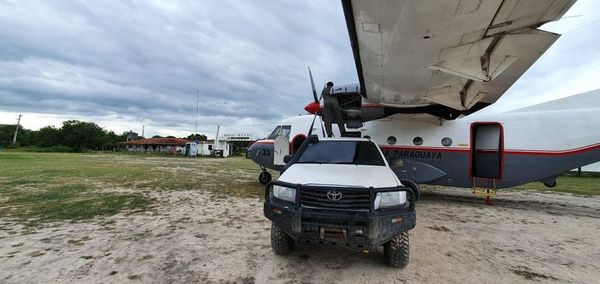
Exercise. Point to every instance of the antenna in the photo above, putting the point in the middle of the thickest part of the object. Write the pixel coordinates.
(197, 102)
(17, 130)
(217, 138)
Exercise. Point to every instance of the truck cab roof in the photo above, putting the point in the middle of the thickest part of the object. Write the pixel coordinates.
(344, 139)
(340, 161)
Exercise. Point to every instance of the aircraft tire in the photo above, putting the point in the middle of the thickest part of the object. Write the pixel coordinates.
(281, 243)
(264, 178)
(397, 251)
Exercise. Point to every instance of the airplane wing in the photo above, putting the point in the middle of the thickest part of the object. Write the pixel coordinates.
(446, 58)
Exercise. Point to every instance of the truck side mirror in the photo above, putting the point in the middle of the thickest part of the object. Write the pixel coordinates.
(287, 158)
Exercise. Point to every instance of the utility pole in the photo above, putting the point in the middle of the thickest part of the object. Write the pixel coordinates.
(143, 128)
(197, 102)
(17, 130)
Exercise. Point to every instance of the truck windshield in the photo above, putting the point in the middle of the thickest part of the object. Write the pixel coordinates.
(342, 152)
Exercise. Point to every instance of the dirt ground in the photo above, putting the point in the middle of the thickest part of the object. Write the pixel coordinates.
(191, 236)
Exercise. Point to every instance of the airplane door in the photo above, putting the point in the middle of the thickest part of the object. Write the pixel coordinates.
(487, 147)
(281, 148)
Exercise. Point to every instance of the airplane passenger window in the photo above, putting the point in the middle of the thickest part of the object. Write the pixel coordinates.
(391, 140)
(418, 141)
(446, 141)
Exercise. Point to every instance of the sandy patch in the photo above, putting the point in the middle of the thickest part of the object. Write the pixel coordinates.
(192, 236)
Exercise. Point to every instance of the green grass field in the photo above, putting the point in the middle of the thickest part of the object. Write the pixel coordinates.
(587, 184)
(42, 187)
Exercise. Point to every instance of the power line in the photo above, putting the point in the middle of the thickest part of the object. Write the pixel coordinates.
(583, 26)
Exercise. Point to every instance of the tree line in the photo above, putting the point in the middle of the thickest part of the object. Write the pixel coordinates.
(73, 135)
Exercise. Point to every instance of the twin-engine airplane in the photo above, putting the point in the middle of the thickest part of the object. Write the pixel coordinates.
(424, 67)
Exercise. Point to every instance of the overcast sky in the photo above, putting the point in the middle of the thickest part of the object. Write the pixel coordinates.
(124, 64)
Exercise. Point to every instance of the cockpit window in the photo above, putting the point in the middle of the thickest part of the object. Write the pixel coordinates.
(275, 133)
(285, 131)
(280, 130)
(342, 152)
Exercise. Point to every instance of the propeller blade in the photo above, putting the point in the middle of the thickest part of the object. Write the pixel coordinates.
(312, 83)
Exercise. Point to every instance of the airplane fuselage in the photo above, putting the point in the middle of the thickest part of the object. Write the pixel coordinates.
(501, 150)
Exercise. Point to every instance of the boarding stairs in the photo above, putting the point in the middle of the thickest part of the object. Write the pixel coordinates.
(484, 187)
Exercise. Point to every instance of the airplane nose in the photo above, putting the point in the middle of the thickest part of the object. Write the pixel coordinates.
(252, 149)
(313, 107)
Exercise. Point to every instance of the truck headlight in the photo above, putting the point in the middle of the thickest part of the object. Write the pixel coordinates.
(284, 193)
(389, 199)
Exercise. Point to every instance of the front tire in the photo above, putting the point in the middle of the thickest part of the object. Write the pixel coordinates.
(264, 178)
(397, 251)
(281, 243)
(414, 186)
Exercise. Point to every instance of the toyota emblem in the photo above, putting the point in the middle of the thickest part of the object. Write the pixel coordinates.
(334, 195)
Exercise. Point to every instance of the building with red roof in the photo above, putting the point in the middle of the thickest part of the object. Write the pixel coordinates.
(156, 145)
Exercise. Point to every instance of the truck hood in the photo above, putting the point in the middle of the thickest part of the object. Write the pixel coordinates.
(340, 175)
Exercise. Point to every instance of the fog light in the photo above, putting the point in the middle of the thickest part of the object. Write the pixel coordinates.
(397, 220)
(276, 211)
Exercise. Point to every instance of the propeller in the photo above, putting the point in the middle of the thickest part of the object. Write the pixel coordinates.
(335, 106)
(315, 106)
(312, 84)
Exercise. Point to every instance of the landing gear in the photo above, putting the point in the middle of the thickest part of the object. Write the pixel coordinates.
(264, 177)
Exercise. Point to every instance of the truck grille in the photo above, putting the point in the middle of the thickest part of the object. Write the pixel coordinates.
(351, 199)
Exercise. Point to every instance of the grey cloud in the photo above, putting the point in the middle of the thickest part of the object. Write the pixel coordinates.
(145, 60)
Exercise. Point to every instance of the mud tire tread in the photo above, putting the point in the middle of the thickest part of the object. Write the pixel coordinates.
(397, 251)
(281, 243)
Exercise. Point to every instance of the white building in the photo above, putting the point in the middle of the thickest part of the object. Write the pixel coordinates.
(205, 148)
(224, 143)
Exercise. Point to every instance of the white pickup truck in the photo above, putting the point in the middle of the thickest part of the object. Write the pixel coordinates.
(341, 191)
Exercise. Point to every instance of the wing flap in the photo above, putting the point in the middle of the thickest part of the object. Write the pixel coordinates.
(515, 15)
(454, 53)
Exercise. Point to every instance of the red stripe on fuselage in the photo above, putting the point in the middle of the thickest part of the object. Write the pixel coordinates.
(264, 142)
(428, 149)
(553, 152)
(507, 151)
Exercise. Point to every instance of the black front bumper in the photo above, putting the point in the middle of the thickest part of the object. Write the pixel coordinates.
(358, 230)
